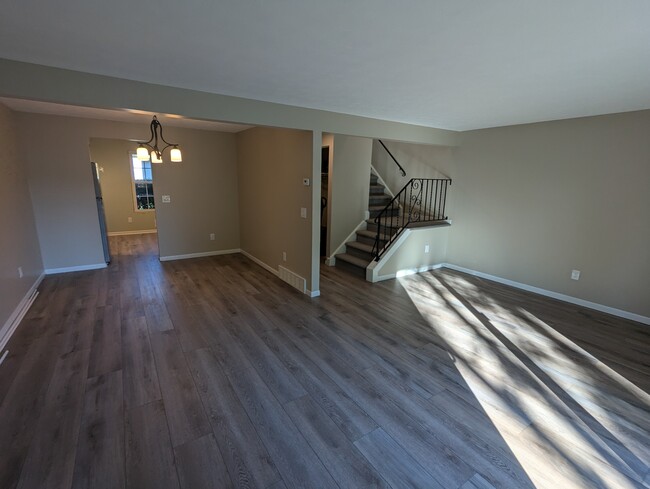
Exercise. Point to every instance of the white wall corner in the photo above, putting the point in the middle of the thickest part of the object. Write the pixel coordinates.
(374, 269)
(21, 309)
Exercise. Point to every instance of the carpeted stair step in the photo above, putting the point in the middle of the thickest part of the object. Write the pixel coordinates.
(377, 189)
(373, 179)
(352, 264)
(359, 250)
(374, 200)
(368, 237)
(376, 209)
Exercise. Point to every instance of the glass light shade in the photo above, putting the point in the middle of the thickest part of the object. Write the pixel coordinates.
(175, 155)
(154, 157)
(142, 153)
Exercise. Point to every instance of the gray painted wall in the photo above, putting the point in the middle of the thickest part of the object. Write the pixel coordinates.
(272, 164)
(18, 238)
(533, 202)
(203, 188)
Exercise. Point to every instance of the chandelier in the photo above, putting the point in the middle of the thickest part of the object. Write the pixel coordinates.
(150, 148)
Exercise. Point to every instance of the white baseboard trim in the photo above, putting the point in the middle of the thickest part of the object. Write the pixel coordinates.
(260, 263)
(79, 268)
(310, 293)
(199, 255)
(555, 295)
(128, 233)
(17, 316)
(408, 271)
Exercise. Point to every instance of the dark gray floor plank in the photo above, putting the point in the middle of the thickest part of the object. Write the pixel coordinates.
(51, 457)
(292, 455)
(247, 459)
(100, 456)
(394, 463)
(200, 465)
(476, 383)
(22, 406)
(106, 348)
(149, 455)
(185, 414)
(347, 466)
(140, 376)
(346, 414)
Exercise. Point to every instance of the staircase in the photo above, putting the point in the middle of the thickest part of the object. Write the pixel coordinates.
(358, 253)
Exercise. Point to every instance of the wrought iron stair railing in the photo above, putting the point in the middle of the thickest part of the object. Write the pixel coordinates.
(421, 200)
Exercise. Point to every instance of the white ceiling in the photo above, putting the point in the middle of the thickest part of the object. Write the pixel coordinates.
(458, 64)
(123, 115)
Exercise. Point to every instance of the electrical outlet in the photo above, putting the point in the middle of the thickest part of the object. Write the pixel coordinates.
(166, 199)
(211, 236)
(575, 274)
(130, 219)
(20, 272)
(426, 248)
(284, 256)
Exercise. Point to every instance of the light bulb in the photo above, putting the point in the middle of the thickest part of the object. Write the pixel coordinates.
(142, 153)
(154, 157)
(175, 155)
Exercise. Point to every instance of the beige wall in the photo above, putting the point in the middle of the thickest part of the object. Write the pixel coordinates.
(272, 164)
(112, 156)
(18, 238)
(349, 185)
(411, 256)
(533, 202)
(203, 188)
(418, 160)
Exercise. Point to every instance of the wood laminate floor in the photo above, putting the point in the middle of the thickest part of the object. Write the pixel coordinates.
(213, 373)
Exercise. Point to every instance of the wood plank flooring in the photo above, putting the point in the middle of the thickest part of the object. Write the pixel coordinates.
(212, 373)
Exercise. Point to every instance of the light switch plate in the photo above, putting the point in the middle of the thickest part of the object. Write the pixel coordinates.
(575, 274)
(166, 199)
(303, 212)
(305, 182)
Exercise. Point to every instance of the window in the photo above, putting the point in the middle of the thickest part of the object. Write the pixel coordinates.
(142, 184)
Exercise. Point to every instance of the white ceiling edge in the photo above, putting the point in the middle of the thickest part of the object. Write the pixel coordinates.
(118, 115)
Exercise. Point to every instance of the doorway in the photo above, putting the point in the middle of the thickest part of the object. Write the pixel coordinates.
(324, 185)
(127, 189)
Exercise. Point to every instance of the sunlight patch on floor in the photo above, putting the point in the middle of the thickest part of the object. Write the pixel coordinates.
(539, 389)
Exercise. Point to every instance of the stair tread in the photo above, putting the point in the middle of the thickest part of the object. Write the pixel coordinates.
(354, 260)
(366, 233)
(359, 246)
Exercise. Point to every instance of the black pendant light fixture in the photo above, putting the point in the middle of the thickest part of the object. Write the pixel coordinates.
(151, 150)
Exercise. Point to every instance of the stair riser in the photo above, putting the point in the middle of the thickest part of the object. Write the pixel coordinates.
(390, 213)
(364, 255)
(369, 241)
(349, 267)
(377, 190)
(373, 227)
(379, 200)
